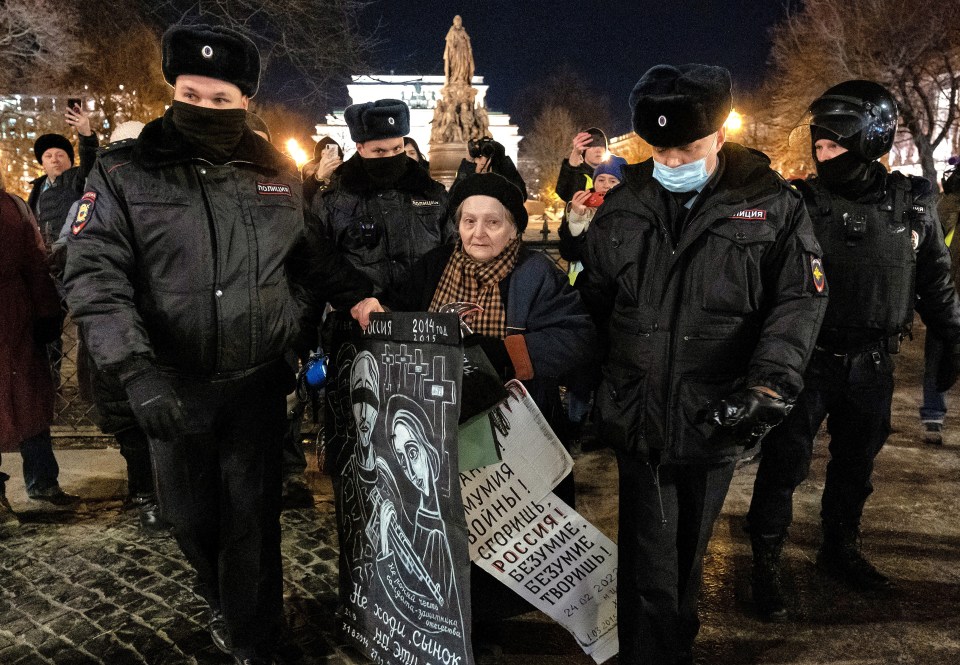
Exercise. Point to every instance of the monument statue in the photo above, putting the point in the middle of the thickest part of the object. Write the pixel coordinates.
(458, 56)
(456, 118)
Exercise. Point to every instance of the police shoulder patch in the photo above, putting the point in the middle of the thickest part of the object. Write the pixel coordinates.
(816, 271)
(84, 210)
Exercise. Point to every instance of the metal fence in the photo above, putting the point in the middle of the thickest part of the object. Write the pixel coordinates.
(72, 411)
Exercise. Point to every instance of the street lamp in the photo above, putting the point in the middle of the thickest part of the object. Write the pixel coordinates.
(298, 154)
(734, 122)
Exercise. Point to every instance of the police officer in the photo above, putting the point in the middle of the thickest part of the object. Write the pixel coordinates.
(181, 261)
(882, 247)
(384, 211)
(704, 266)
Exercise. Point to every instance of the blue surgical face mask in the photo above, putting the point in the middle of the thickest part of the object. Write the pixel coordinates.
(684, 178)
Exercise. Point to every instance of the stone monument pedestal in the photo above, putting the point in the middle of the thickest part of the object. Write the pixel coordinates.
(445, 159)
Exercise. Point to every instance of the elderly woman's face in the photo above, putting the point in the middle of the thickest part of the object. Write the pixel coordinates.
(485, 228)
(412, 457)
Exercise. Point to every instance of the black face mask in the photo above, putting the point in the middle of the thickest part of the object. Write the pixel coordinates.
(846, 174)
(215, 133)
(386, 171)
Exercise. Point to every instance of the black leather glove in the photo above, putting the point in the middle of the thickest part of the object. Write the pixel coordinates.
(949, 369)
(46, 329)
(155, 404)
(748, 408)
(496, 352)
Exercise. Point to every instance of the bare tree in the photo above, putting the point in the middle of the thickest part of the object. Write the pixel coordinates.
(913, 48)
(36, 36)
(120, 66)
(305, 45)
(546, 146)
(568, 88)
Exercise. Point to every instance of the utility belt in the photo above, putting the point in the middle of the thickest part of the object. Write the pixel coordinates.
(889, 344)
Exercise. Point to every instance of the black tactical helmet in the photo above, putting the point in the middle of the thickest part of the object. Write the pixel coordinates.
(862, 114)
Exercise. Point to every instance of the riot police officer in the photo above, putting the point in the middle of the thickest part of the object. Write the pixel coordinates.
(882, 247)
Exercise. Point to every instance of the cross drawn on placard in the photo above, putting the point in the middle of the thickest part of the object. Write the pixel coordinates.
(416, 371)
(439, 391)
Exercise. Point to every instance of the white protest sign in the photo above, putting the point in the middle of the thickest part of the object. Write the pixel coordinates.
(533, 542)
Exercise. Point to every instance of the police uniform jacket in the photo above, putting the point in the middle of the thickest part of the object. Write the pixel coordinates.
(191, 265)
(382, 232)
(735, 302)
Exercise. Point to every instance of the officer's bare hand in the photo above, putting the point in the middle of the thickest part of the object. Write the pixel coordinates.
(76, 117)
(363, 309)
(580, 143)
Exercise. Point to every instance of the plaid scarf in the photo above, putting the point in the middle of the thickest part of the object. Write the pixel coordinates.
(466, 280)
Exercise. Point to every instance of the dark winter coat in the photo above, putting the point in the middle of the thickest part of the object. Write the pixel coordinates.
(190, 265)
(540, 304)
(735, 303)
(52, 206)
(573, 179)
(382, 232)
(28, 300)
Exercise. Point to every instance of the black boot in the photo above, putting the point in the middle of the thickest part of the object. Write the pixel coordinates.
(841, 558)
(148, 513)
(9, 522)
(765, 577)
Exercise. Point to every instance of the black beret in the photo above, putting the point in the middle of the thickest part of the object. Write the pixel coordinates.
(674, 106)
(214, 51)
(491, 184)
(48, 141)
(382, 119)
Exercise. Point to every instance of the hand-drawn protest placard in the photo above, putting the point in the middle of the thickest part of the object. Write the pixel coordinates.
(394, 399)
(529, 539)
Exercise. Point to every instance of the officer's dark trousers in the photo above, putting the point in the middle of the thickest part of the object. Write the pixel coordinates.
(135, 449)
(854, 394)
(663, 536)
(219, 486)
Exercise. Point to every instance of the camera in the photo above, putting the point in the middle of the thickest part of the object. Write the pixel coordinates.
(74, 103)
(485, 147)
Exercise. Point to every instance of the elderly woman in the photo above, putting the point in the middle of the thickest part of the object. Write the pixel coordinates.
(533, 326)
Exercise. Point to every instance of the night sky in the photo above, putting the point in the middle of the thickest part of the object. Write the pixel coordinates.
(612, 43)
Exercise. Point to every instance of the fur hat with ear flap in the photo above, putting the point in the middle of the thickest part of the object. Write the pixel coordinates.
(48, 141)
(382, 119)
(674, 106)
(213, 51)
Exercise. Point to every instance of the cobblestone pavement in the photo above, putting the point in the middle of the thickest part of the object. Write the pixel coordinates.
(84, 586)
